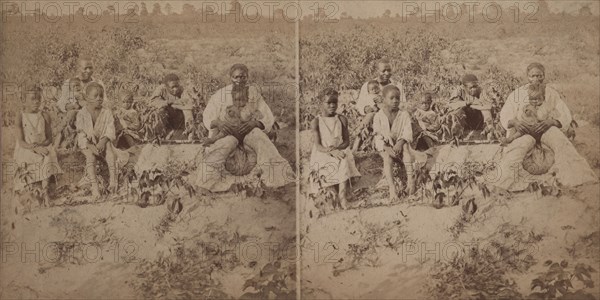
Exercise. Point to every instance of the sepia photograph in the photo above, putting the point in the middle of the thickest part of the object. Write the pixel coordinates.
(148, 151)
(449, 150)
(300, 149)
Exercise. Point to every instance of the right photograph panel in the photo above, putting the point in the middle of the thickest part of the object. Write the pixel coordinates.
(449, 150)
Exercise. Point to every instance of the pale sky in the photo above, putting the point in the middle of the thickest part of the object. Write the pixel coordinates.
(360, 9)
(365, 9)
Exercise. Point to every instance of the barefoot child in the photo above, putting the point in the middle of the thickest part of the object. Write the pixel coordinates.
(528, 115)
(128, 122)
(33, 151)
(330, 156)
(428, 121)
(95, 134)
(393, 134)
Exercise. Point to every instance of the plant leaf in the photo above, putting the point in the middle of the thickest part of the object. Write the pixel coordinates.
(537, 283)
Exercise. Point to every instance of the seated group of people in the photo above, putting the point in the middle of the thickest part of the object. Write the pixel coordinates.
(236, 113)
(94, 129)
(534, 113)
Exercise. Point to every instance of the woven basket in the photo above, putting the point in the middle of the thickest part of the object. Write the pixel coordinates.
(538, 160)
(241, 161)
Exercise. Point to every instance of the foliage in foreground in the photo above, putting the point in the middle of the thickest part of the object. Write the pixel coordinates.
(187, 273)
(372, 239)
(557, 281)
(483, 271)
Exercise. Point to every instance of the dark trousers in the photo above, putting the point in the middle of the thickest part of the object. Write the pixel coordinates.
(474, 119)
(175, 119)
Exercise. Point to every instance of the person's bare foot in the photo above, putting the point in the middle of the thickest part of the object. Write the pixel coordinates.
(411, 187)
(95, 191)
(343, 202)
(46, 197)
(393, 198)
(113, 189)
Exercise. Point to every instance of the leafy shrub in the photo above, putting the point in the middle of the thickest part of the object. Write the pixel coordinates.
(484, 272)
(185, 274)
(276, 280)
(345, 60)
(373, 238)
(557, 281)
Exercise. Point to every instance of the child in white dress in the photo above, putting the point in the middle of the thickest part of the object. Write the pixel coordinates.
(330, 155)
(35, 157)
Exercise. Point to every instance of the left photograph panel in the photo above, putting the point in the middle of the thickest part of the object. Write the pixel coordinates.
(148, 150)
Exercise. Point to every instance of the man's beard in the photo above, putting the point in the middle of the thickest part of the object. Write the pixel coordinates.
(384, 81)
(85, 78)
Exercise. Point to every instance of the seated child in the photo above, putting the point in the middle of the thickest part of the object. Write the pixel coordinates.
(393, 135)
(365, 125)
(374, 93)
(128, 122)
(34, 155)
(529, 114)
(429, 122)
(330, 155)
(95, 135)
(69, 105)
(240, 112)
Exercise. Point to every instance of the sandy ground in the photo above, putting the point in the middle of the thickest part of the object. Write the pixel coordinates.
(110, 239)
(117, 236)
(404, 271)
(406, 239)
